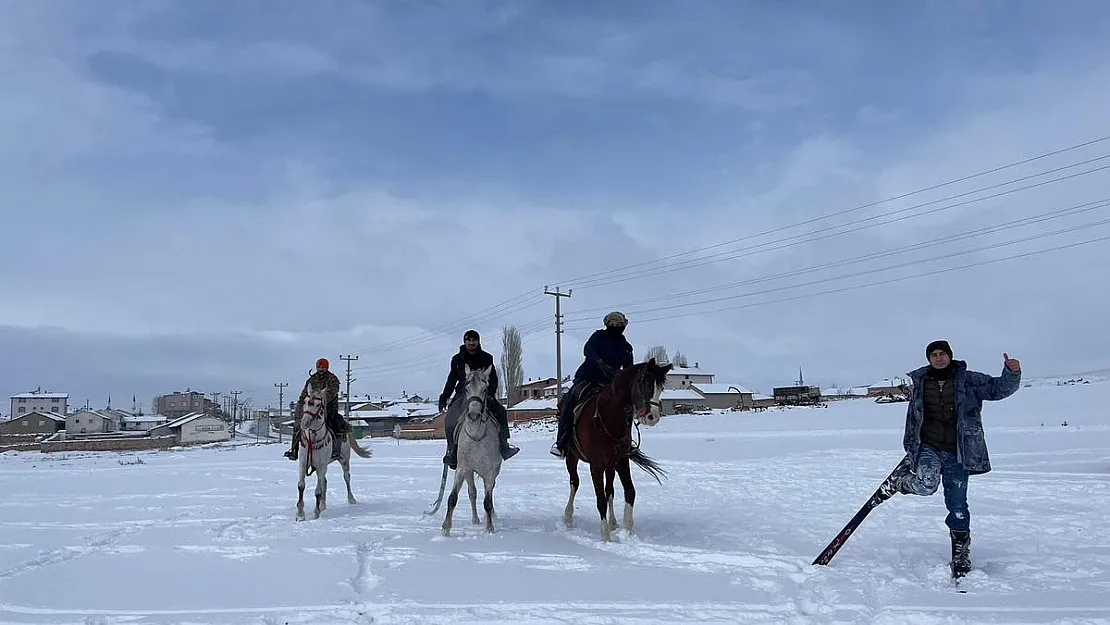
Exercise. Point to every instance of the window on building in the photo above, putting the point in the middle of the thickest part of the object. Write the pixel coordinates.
(54, 409)
(22, 400)
(26, 423)
(42, 423)
(54, 400)
(22, 409)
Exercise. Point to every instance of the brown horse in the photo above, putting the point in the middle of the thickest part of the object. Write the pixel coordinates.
(602, 438)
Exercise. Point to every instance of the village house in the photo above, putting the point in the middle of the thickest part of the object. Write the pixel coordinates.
(684, 377)
(533, 409)
(725, 396)
(32, 424)
(676, 401)
(178, 404)
(194, 429)
(536, 389)
(91, 422)
(39, 401)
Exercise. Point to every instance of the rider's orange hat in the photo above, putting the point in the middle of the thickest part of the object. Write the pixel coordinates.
(322, 363)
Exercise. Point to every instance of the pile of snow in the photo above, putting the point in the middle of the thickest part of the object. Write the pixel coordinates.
(207, 535)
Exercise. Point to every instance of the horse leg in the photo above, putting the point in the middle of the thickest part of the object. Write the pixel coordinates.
(346, 464)
(452, 501)
(321, 487)
(487, 503)
(473, 488)
(572, 469)
(302, 469)
(598, 476)
(625, 472)
(610, 475)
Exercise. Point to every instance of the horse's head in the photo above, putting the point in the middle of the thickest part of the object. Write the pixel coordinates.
(477, 388)
(645, 382)
(315, 404)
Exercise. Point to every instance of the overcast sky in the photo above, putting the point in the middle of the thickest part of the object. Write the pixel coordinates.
(212, 194)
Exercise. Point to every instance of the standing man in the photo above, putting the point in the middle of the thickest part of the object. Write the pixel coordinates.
(944, 438)
(471, 354)
(339, 427)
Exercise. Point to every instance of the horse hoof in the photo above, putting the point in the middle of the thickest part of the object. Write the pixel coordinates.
(447, 532)
(352, 500)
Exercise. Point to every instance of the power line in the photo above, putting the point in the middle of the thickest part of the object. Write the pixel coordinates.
(878, 283)
(827, 232)
(888, 268)
(591, 277)
(433, 333)
(1026, 221)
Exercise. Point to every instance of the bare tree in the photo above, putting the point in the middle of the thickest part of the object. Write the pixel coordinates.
(512, 366)
(658, 352)
(680, 359)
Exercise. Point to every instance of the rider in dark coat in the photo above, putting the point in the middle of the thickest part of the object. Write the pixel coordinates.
(323, 378)
(472, 354)
(607, 352)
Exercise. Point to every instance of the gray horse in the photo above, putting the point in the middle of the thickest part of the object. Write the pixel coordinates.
(478, 449)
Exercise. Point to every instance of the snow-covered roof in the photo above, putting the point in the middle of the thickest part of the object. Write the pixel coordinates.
(189, 418)
(370, 415)
(546, 382)
(152, 418)
(719, 389)
(834, 391)
(889, 383)
(537, 403)
(34, 395)
(49, 415)
(92, 413)
(761, 397)
(689, 371)
(552, 387)
(684, 394)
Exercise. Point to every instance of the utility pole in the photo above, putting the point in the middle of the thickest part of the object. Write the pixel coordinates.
(558, 338)
(347, 405)
(234, 411)
(216, 401)
(281, 407)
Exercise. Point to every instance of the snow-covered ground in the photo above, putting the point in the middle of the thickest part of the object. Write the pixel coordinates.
(208, 535)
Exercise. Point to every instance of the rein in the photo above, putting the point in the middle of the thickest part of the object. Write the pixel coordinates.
(314, 442)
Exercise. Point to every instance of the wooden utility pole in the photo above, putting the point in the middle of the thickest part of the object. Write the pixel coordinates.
(558, 338)
(347, 404)
(216, 401)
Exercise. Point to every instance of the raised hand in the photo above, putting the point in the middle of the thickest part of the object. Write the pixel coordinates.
(1011, 363)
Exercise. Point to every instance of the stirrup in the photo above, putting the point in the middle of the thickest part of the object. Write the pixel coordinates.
(555, 451)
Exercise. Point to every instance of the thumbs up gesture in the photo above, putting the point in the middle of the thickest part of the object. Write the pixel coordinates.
(1011, 363)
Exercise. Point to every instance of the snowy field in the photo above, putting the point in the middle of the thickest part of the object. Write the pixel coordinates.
(208, 535)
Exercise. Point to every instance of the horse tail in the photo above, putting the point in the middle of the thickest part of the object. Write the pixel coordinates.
(648, 465)
(364, 453)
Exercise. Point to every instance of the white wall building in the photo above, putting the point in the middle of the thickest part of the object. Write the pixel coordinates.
(195, 428)
(91, 422)
(685, 377)
(39, 401)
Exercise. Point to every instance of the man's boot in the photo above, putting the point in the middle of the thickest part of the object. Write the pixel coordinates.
(336, 444)
(961, 552)
(507, 450)
(450, 458)
(292, 453)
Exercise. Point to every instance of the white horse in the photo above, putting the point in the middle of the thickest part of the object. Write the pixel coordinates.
(478, 449)
(315, 451)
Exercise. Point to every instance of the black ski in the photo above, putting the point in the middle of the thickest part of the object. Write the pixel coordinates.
(876, 498)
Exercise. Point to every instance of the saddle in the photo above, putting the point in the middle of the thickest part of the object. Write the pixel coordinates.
(588, 393)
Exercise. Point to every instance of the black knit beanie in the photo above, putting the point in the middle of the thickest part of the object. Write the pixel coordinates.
(941, 345)
(472, 334)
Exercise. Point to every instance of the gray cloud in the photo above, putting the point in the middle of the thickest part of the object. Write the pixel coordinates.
(152, 251)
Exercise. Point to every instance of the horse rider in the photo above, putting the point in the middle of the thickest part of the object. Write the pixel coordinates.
(322, 378)
(607, 351)
(471, 353)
